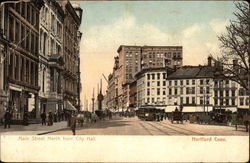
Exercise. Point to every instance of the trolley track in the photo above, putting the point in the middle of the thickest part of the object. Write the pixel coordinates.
(143, 126)
(178, 132)
(158, 128)
(181, 128)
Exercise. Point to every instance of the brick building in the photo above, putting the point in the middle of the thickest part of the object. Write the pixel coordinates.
(133, 59)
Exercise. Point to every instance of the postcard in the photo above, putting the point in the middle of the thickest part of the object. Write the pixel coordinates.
(124, 81)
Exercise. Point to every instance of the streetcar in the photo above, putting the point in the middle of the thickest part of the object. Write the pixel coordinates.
(150, 114)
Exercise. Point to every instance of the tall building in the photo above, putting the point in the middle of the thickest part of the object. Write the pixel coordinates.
(161, 56)
(3, 66)
(21, 28)
(51, 57)
(71, 75)
(133, 59)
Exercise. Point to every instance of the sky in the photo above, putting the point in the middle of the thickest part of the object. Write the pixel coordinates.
(194, 25)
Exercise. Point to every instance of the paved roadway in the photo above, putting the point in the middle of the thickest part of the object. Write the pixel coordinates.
(134, 126)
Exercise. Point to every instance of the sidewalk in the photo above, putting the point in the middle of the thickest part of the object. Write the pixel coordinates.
(33, 129)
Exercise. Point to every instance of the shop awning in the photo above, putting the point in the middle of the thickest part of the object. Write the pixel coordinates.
(171, 108)
(69, 106)
(189, 109)
(243, 107)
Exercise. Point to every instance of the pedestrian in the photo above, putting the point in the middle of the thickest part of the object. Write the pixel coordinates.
(110, 115)
(50, 119)
(25, 118)
(43, 117)
(55, 117)
(73, 124)
(7, 119)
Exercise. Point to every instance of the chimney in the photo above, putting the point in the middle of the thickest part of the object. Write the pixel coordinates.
(209, 61)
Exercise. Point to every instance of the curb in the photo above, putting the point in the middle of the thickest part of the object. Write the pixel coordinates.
(47, 132)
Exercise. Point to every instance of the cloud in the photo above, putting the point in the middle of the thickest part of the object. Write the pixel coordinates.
(100, 42)
(218, 25)
(192, 30)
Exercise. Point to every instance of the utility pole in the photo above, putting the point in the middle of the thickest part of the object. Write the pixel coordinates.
(100, 97)
(93, 101)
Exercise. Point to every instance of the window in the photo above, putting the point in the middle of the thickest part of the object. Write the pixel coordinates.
(187, 100)
(153, 100)
(227, 101)
(241, 101)
(153, 76)
(158, 91)
(233, 93)
(164, 83)
(215, 101)
(148, 75)
(181, 82)
(28, 12)
(221, 93)
(148, 84)
(181, 91)
(227, 93)
(221, 101)
(170, 83)
(207, 90)
(215, 93)
(11, 27)
(164, 75)
(233, 101)
(158, 76)
(148, 92)
(164, 92)
(187, 82)
(193, 90)
(181, 100)
(207, 81)
(201, 90)
(17, 34)
(158, 83)
(201, 82)
(193, 100)
(193, 82)
(175, 82)
(201, 100)
(175, 91)
(187, 90)
(170, 91)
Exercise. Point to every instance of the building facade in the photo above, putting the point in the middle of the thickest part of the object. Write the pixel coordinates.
(50, 57)
(21, 28)
(161, 56)
(3, 66)
(151, 87)
(200, 89)
(71, 75)
(133, 59)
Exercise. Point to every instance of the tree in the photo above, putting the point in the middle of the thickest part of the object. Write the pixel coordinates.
(235, 47)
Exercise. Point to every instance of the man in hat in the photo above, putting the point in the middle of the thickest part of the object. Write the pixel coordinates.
(7, 119)
(73, 123)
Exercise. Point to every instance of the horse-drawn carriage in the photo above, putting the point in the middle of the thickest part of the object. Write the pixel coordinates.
(241, 119)
(177, 116)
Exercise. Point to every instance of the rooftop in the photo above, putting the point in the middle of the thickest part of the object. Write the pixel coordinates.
(189, 72)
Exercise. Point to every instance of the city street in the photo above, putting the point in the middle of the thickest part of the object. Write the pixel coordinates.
(134, 126)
